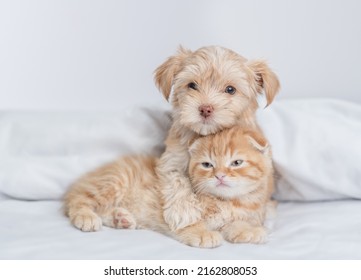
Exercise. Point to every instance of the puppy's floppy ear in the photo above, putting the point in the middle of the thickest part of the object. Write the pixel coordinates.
(165, 73)
(257, 141)
(266, 79)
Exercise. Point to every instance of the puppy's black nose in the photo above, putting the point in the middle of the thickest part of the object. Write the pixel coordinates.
(205, 110)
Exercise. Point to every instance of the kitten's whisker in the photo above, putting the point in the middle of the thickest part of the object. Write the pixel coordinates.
(200, 187)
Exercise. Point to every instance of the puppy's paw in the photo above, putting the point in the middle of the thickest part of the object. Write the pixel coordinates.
(255, 235)
(204, 239)
(120, 218)
(87, 221)
(181, 215)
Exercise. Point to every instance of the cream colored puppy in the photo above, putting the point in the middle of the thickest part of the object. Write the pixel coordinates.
(213, 88)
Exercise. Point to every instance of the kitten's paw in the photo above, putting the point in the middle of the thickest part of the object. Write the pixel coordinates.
(87, 221)
(122, 218)
(255, 235)
(205, 239)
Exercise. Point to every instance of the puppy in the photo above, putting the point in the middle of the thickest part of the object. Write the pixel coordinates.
(213, 88)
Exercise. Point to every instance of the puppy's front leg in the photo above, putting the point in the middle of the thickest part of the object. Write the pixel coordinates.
(197, 235)
(243, 232)
(181, 206)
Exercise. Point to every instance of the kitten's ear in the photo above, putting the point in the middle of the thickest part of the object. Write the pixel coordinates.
(257, 141)
(193, 145)
(266, 79)
(165, 73)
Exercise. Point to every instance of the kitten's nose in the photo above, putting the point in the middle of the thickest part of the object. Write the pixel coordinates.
(220, 176)
(205, 110)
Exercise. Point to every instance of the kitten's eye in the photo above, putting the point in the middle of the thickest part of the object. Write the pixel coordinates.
(207, 165)
(193, 86)
(230, 90)
(237, 162)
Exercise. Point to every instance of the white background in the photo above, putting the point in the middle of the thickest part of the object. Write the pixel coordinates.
(94, 269)
(100, 55)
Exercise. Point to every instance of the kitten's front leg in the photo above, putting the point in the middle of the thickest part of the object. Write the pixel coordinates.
(243, 232)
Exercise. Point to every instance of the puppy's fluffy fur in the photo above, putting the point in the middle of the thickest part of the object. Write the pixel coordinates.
(213, 88)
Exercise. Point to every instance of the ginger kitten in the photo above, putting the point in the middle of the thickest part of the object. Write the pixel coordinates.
(231, 175)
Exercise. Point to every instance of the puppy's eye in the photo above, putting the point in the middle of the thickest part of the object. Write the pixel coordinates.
(207, 165)
(230, 90)
(193, 86)
(237, 162)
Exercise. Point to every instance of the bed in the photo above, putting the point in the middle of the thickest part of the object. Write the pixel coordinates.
(317, 155)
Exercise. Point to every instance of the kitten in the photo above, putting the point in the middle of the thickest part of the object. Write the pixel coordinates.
(231, 174)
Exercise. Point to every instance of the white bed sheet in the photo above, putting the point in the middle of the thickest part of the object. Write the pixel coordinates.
(302, 230)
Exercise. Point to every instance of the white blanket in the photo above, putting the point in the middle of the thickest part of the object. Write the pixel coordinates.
(39, 230)
(316, 147)
(41, 154)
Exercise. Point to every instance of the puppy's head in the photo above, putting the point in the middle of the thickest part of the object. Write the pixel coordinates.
(214, 88)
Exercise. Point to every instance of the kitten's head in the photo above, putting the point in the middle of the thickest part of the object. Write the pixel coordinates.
(229, 164)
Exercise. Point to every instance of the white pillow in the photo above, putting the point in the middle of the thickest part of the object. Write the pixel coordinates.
(316, 147)
(41, 154)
